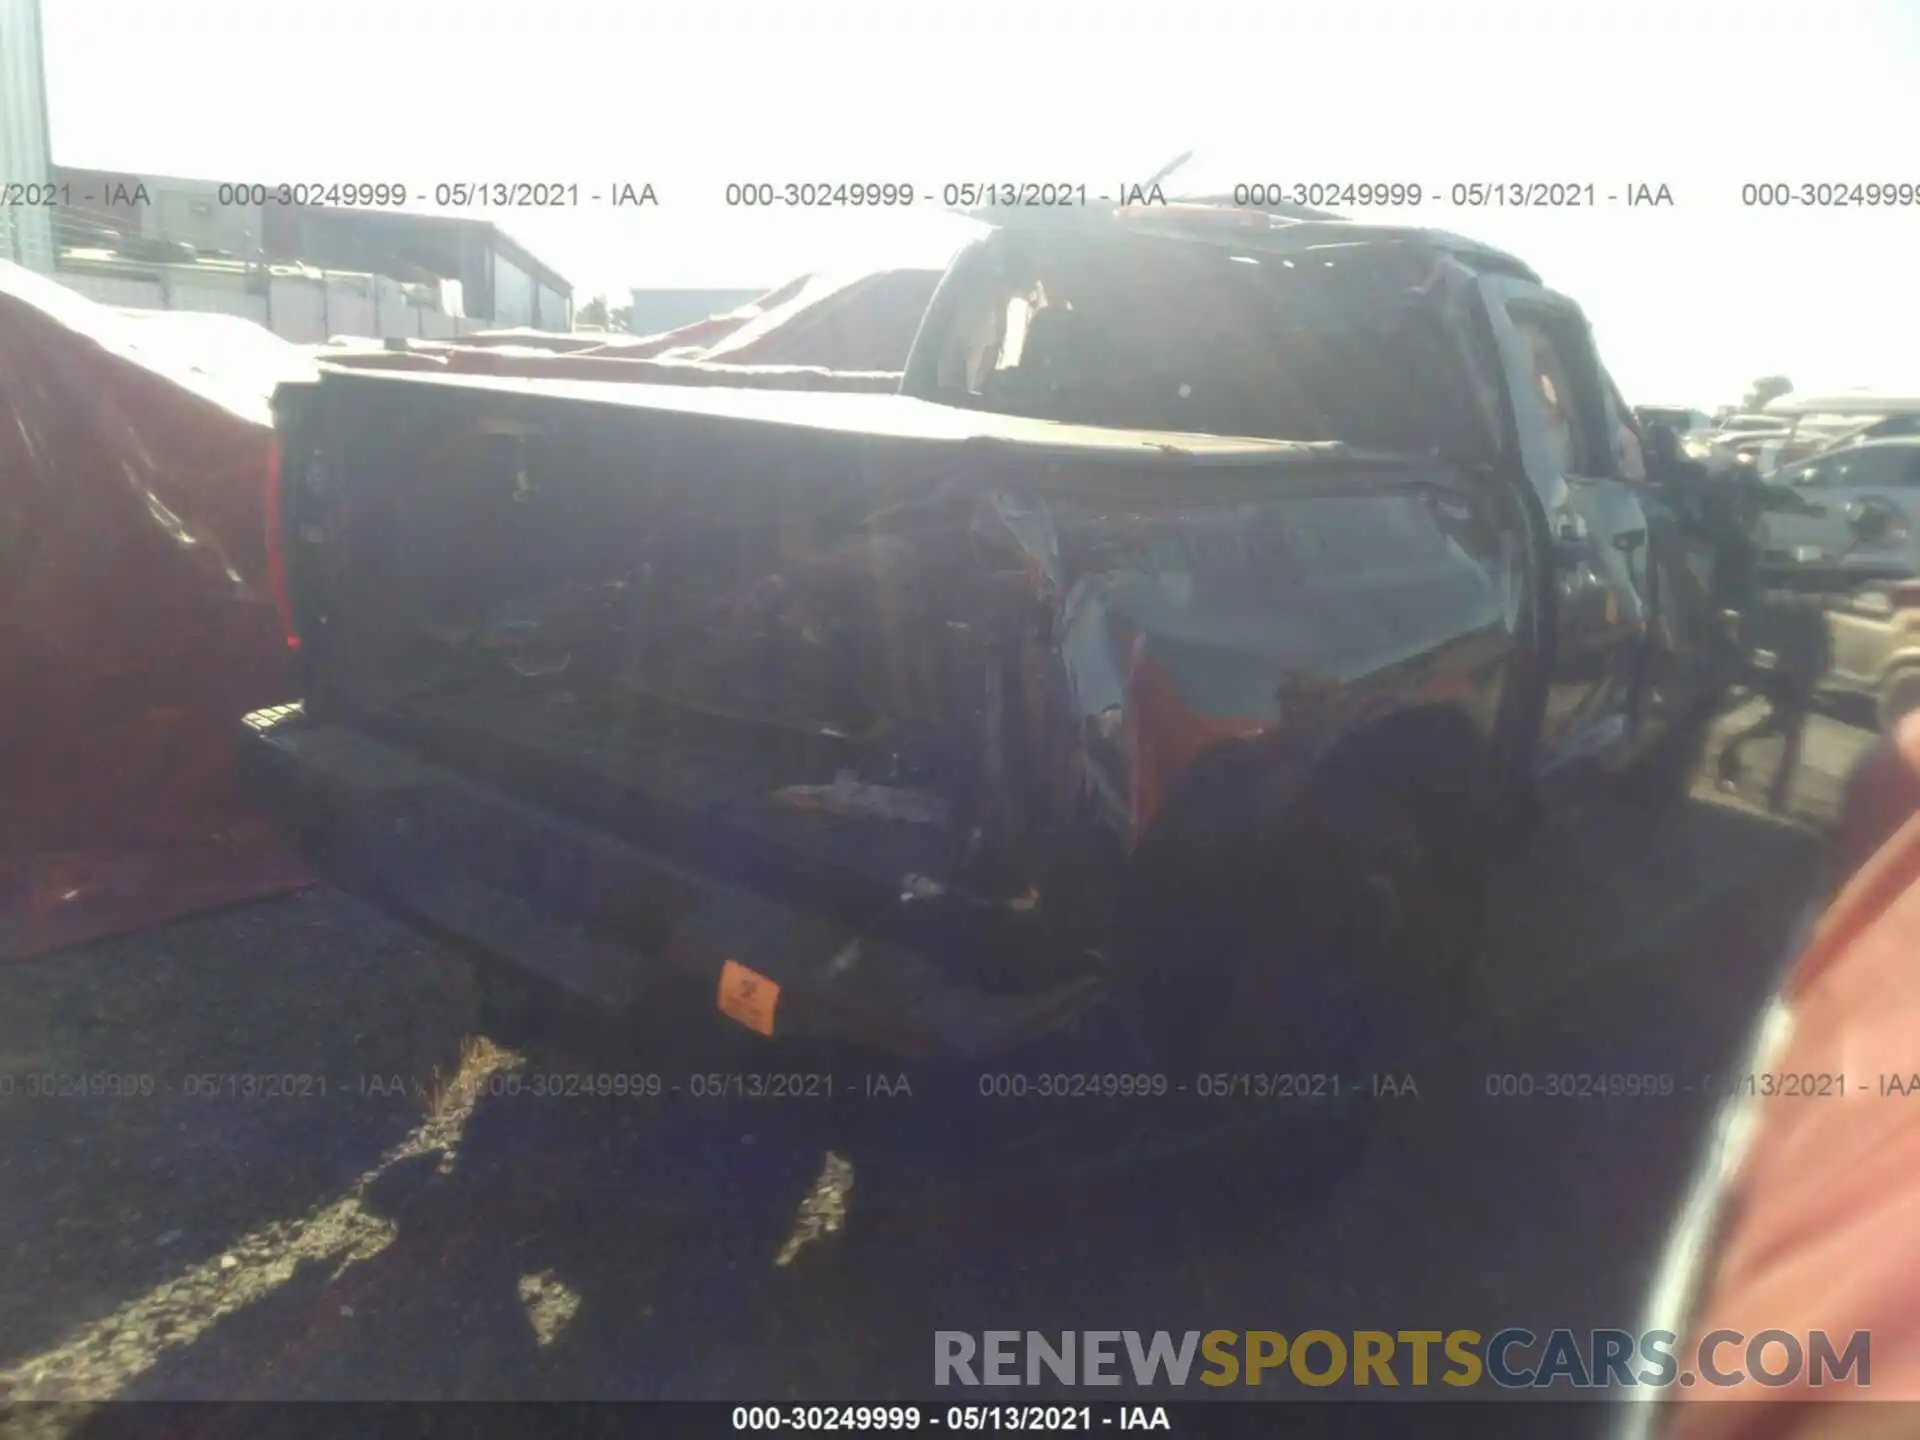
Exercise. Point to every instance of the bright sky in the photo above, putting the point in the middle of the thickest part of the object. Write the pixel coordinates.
(1689, 303)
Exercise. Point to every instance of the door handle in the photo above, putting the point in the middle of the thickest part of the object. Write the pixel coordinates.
(1628, 541)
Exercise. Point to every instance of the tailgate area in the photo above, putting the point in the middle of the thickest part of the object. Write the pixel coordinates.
(689, 791)
(603, 918)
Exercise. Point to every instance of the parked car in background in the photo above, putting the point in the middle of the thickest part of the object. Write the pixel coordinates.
(1761, 444)
(1814, 423)
(1734, 442)
(1845, 517)
(1745, 424)
(1683, 422)
(1876, 648)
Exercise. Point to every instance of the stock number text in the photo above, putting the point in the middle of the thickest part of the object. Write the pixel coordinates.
(1014, 1086)
(822, 194)
(1831, 194)
(50, 1085)
(1330, 192)
(826, 1417)
(331, 192)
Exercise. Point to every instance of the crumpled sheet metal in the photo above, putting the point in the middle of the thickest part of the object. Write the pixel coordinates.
(135, 624)
(669, 372)
(697, 336)
(864, 323)
(818, 332)
(529, 363)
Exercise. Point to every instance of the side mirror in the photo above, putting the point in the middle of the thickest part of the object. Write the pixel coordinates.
(1665, 462)
(1663, 446)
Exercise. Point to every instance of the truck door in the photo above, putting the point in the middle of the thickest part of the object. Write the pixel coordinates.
(1566, 428)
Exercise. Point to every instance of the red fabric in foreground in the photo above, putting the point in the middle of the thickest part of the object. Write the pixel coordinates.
(135, 625)
(1821, 1220)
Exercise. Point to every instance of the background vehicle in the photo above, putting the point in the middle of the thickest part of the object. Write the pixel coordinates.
(1759, 445)
(1746, 424)
(1876, 649)
(1737, 443)
(1847, 514)
(1814, 423)
(1181, 634)
(1682, 421)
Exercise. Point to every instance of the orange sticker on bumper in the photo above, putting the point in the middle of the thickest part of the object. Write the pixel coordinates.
(748, 996)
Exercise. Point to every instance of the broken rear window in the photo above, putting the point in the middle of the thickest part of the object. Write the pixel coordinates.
(1338, 343)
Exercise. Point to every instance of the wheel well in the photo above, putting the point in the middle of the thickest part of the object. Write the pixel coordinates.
(1428, 757)
(1900, 677)
(1229, 833)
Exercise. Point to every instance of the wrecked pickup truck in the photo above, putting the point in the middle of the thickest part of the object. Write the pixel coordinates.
(1213, 596)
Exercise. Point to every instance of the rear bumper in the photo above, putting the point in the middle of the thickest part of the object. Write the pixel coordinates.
(599, 917)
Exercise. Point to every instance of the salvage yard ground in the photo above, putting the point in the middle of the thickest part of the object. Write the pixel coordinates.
(411, 1233)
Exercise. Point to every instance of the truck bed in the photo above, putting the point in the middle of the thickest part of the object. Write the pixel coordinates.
(855, 414)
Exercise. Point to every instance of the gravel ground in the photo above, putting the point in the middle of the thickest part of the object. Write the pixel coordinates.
(415, 1232)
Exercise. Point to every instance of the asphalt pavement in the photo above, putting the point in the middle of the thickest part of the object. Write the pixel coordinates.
(418, 1230)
